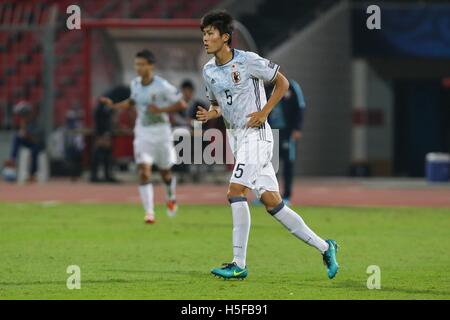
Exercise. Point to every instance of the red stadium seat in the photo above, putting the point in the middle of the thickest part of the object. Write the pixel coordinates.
(36, 94)
(21, 53)
(10, 58)
(3, 37)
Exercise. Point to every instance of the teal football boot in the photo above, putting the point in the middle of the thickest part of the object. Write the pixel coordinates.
(329, 258)
(230, 271)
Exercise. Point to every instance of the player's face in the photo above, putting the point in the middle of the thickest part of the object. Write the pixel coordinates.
(212, 40)
(143, 67)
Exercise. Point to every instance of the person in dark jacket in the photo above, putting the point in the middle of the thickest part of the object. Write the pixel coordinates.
(102, 151)
(287, 117)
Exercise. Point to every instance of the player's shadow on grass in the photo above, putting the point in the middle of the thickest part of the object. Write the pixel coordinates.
(225, 225)
(171, 272)
(361, 286)
(113, 280)
(63, 282)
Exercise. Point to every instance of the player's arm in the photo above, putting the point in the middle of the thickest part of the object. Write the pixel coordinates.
(281, 86)
(122, 105)
(214, 111)
(204, 115)
(177, 106)
(173, 96)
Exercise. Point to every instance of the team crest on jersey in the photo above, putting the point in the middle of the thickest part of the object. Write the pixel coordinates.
(236, 76)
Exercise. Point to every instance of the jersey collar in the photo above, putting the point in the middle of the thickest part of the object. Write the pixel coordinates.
(148, 84)
(232, 57)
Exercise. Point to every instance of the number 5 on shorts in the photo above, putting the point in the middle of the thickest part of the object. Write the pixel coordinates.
(239, 170)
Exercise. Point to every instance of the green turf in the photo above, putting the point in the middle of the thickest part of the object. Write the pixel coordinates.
(121, 258)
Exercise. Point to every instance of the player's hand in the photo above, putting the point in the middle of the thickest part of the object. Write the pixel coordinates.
(256, 119)
(202, 114)
(154, 109)
(296, 135)
(107, 101)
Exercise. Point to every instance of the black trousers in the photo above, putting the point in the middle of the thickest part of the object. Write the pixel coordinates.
(74, 158)
(102, 156)
(287, 157)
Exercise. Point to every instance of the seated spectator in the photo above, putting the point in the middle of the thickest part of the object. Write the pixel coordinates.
(28, 136)
(74, 142)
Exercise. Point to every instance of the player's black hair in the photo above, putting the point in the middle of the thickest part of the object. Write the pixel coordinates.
(221, 20)
(187, 84)
(147, 55)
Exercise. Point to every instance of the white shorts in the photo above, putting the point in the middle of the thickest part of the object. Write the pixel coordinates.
(162, 153)
(253, 167)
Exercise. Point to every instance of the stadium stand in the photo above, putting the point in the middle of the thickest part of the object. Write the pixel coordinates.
(21, 53)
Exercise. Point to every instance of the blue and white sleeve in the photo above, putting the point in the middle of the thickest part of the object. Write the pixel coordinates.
(172, 94)
(261, 68)
(208, 91)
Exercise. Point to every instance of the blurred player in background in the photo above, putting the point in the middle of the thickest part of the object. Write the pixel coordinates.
(287, 117)
(234, 84)
(153, 97)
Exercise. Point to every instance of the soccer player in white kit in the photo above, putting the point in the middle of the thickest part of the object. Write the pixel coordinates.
(153, 97)
(234, 86)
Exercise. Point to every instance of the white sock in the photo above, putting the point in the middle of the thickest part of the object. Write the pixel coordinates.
(146, 192)
(241, 229)
(295, 224)
(170, 188)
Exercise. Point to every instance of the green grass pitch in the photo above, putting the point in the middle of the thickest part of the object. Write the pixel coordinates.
(122, 258)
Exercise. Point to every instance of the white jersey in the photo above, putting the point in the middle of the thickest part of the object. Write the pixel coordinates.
(238, 88)
(151, 126)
